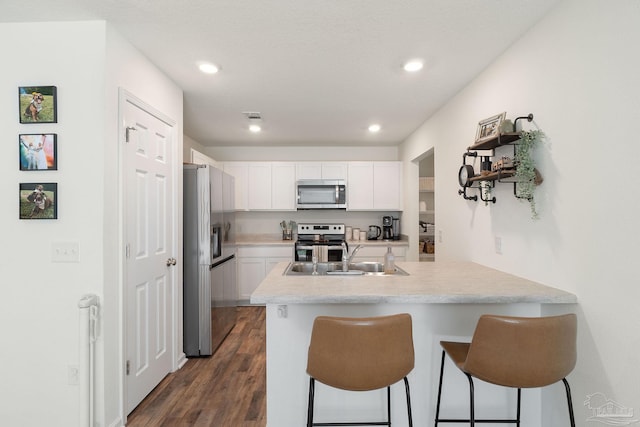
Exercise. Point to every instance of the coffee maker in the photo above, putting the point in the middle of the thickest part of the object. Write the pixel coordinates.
(387, 228)
(396, 228)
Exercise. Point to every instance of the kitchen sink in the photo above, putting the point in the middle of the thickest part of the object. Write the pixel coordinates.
(335, 269)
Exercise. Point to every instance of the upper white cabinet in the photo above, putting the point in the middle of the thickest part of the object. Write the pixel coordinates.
(321, 170)
(259, 190)
(263, 185)
(283, 186)
(374, 186)
(240, 171)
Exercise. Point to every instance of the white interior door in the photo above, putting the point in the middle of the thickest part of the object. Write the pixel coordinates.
(148, 272)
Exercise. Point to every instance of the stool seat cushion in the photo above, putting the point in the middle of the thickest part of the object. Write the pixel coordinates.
(361, 354)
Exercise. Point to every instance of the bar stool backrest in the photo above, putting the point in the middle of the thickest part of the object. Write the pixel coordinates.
(522, 352)
(361, 353)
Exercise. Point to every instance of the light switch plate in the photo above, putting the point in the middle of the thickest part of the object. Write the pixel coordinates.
(65, 252)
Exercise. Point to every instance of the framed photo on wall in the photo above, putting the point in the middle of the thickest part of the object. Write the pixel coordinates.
(38, 201)
(38, 104)
(489, 128)
(38, 151)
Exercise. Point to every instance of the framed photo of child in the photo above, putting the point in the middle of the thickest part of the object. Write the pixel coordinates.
(39, 200)
(38, 151)
(38, 104)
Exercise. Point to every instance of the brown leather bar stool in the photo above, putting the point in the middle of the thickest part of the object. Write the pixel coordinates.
(517, 352)
(360, 354)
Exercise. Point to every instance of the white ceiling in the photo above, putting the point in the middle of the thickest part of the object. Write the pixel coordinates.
(319, 71)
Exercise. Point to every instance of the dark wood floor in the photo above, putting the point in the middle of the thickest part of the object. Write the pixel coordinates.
(224, 390)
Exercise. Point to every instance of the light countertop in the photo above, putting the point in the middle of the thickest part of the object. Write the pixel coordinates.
(439, 282)
(276, 240)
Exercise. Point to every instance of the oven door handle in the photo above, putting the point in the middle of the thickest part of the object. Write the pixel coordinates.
(304, 247)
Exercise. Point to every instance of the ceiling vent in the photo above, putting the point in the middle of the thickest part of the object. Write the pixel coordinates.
(252, 115)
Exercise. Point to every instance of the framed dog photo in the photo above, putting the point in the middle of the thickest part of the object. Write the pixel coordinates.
(38, 104)
(489, 128)
(38, 151)
(39, 201)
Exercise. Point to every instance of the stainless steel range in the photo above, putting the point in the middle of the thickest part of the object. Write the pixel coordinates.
(320, 239)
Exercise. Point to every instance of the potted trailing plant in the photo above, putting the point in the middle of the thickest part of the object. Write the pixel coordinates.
(527, 175)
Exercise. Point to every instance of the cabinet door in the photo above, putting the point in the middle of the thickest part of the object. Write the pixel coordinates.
(239, 170)
(360, 186)
(387, 185)
(259, 190)
(251, 272)
(283, 189)
(334, 170)
(308, 170)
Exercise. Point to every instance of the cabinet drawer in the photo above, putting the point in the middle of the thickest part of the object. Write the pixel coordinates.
(265, 251)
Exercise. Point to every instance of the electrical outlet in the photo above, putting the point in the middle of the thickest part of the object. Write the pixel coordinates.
(439, 236)
(73, 375)
(497, 242)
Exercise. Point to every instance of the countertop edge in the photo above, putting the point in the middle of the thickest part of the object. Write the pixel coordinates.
(427, 283)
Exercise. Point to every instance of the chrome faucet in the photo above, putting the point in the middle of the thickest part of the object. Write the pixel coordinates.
(346, 258)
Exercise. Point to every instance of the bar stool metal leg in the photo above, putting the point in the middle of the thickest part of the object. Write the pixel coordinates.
(569, 402)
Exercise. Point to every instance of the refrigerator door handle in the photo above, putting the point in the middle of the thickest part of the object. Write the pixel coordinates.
(216, 242)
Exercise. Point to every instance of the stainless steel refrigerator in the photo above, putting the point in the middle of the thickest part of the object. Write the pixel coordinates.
(210, 290)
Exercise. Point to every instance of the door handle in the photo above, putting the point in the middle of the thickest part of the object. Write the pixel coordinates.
(171, 262)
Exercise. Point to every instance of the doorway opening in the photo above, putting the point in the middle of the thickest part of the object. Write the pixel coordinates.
(426, 207)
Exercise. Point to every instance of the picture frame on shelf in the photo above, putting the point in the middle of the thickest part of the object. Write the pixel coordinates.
(38, 151)
(489, 128)
(38, 200)
(38, 104)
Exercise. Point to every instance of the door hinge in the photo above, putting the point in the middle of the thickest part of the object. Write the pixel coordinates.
(128, 367)
(127, 251)
(128, 130)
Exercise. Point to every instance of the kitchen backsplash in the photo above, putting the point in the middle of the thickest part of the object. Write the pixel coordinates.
(269, 222)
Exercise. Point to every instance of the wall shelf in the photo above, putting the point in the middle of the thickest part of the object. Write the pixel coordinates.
(469, 179)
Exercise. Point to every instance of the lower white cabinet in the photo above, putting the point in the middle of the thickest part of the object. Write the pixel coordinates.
(254, 263)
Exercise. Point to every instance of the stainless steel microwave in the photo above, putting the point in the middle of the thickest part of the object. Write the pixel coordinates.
(321, 194)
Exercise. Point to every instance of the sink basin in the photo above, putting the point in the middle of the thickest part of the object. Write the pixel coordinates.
(335, 269)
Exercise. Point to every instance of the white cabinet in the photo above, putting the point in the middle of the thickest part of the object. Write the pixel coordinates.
(374, 186)
(254, 263)
(321, 170)
(259, 189)
(283, 186)
(272, 186)
(263, 185)
(240, 171)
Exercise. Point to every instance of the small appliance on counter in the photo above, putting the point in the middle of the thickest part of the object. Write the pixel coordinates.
(387, 228)
(396, 228)
(374, 232)
(323, 239)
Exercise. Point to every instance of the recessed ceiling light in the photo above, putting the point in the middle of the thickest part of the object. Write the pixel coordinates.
(374, 128)
(255, 128)
(208, 68)
(413, 66)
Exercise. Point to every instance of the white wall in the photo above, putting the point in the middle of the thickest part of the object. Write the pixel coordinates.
(575, 71)
(126, 68)
(38, 310)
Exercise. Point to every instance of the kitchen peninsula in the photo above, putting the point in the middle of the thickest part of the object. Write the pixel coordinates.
(445, 299)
